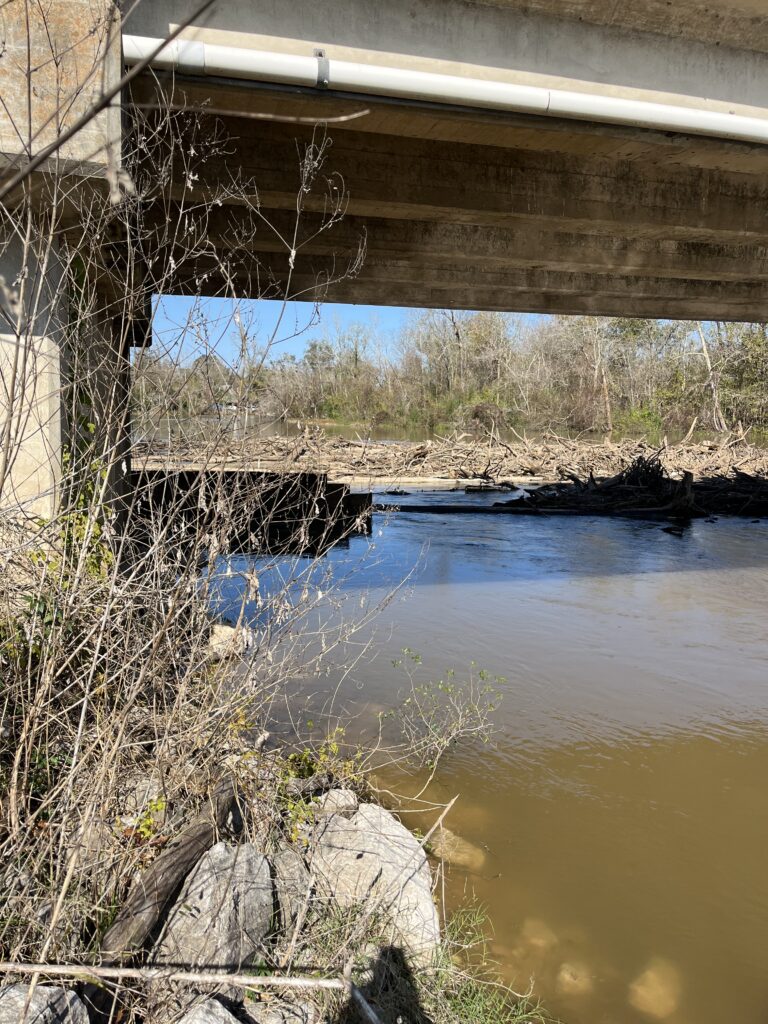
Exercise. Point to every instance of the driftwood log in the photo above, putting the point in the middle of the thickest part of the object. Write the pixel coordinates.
(153, 893)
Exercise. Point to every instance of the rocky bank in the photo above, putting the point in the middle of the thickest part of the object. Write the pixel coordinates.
(242, 908)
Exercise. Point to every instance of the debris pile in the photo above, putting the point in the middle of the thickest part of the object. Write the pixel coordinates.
(463, 457)
(645, 490)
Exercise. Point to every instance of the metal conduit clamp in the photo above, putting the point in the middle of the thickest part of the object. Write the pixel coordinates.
(323, 69)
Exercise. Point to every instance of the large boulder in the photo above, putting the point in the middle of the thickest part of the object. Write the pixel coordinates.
(223, 912)
(371, 858)
(48, 1004)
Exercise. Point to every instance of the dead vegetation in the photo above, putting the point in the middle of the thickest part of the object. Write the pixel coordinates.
(122, 738)
(645, 490)
(462, 457)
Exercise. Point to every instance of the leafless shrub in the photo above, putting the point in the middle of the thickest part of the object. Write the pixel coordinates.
(115, 716)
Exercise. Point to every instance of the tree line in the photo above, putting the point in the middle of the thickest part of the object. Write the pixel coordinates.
(451, 370)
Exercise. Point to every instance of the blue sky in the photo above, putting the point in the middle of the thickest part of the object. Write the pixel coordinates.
(299, 325)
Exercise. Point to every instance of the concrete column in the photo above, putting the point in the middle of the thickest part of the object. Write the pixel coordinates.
(32, 430)
(57, 61)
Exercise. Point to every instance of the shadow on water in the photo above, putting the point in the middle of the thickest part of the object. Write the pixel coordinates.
(391, 993)
(490, 550)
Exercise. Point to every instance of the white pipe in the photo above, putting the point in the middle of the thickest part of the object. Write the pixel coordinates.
(259, 65)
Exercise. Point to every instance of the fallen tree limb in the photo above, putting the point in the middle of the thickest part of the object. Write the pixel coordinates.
(89, 974)
(153, 891)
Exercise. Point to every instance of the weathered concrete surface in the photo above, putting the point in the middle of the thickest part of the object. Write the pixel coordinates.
(31, 403)
(618, 49)
(508, 227)
(739, 23)
(30, 406)
(57, 59)
(476, 209)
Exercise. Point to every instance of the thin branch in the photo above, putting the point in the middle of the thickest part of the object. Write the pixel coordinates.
(84, 972)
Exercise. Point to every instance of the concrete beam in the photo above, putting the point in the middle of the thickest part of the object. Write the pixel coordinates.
(419, 295)
(409, 179)
(429, 243)
(398, 282)
(253, 103)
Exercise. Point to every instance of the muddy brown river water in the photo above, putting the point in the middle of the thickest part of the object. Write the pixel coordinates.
(621, 812)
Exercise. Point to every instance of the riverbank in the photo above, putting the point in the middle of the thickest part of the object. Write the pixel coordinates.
(290, 896)
(161, 853)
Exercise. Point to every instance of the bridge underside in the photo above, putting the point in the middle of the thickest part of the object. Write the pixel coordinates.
(477, 210)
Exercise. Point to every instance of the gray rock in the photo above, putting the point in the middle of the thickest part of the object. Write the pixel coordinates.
(208, 1012)
(373, 859)
(338, 801)
(49, 1005)
(291, 885)
(223, 913)
(281, 1013)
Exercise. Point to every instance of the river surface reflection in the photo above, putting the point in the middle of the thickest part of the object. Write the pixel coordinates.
(622, 808)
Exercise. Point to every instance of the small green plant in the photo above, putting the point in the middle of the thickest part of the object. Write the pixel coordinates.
(435, 715)
(327, 759)
(329, 762)
(149, 821)
(298, 815)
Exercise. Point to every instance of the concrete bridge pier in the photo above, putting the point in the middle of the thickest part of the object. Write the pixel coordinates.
(32, 414)
(65, 387)
(63, 370)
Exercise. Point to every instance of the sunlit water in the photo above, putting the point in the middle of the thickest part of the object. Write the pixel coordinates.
(622, 809)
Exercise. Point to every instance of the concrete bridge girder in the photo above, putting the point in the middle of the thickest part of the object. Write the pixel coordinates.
(478, 207)
(479, 225)
(474, 246)
(446, 182)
